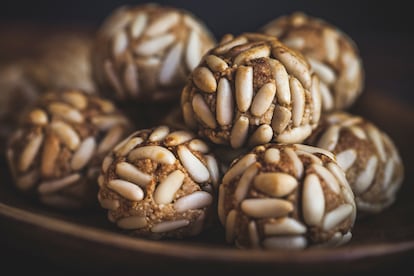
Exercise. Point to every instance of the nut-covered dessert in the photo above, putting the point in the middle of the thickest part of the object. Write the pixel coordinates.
(17, 92)
(145, 52)
(369, 157)
(249, 90)
(286, 196)
(332, 54)
(61, 62)
(160, 183)
(55, 154)
(224, 154)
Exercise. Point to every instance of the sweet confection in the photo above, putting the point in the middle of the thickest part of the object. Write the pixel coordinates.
(160, 183)
(333, 55)
(172, 135)
(144, 53)
(286, 196)
(367, 154)
(17, 92)
(55, 153)
(249, 90)
(61, 62)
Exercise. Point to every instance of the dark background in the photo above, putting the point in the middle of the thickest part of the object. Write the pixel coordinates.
(354, 17)
(382, 30)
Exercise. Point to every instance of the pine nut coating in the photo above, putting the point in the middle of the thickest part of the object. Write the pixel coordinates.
(276, 197)
(372, 162)
(332, 54)
(164, 180)
(62, 144)
(143, 53)
(249, 90)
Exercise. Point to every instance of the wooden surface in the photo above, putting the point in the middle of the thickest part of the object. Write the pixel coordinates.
(57, 242)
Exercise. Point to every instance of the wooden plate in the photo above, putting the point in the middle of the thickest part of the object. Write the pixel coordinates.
(88, 242)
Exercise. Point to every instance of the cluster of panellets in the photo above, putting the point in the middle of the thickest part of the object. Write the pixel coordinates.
(259, 142)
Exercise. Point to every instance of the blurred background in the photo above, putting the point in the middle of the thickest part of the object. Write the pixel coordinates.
(381, 29)
(227, 16)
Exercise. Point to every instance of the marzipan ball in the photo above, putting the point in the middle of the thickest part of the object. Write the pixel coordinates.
(55, 154)
(160, 183)
(286, 196)
(369, 157)
(333, 55)
(144, 53)
(250, 90)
